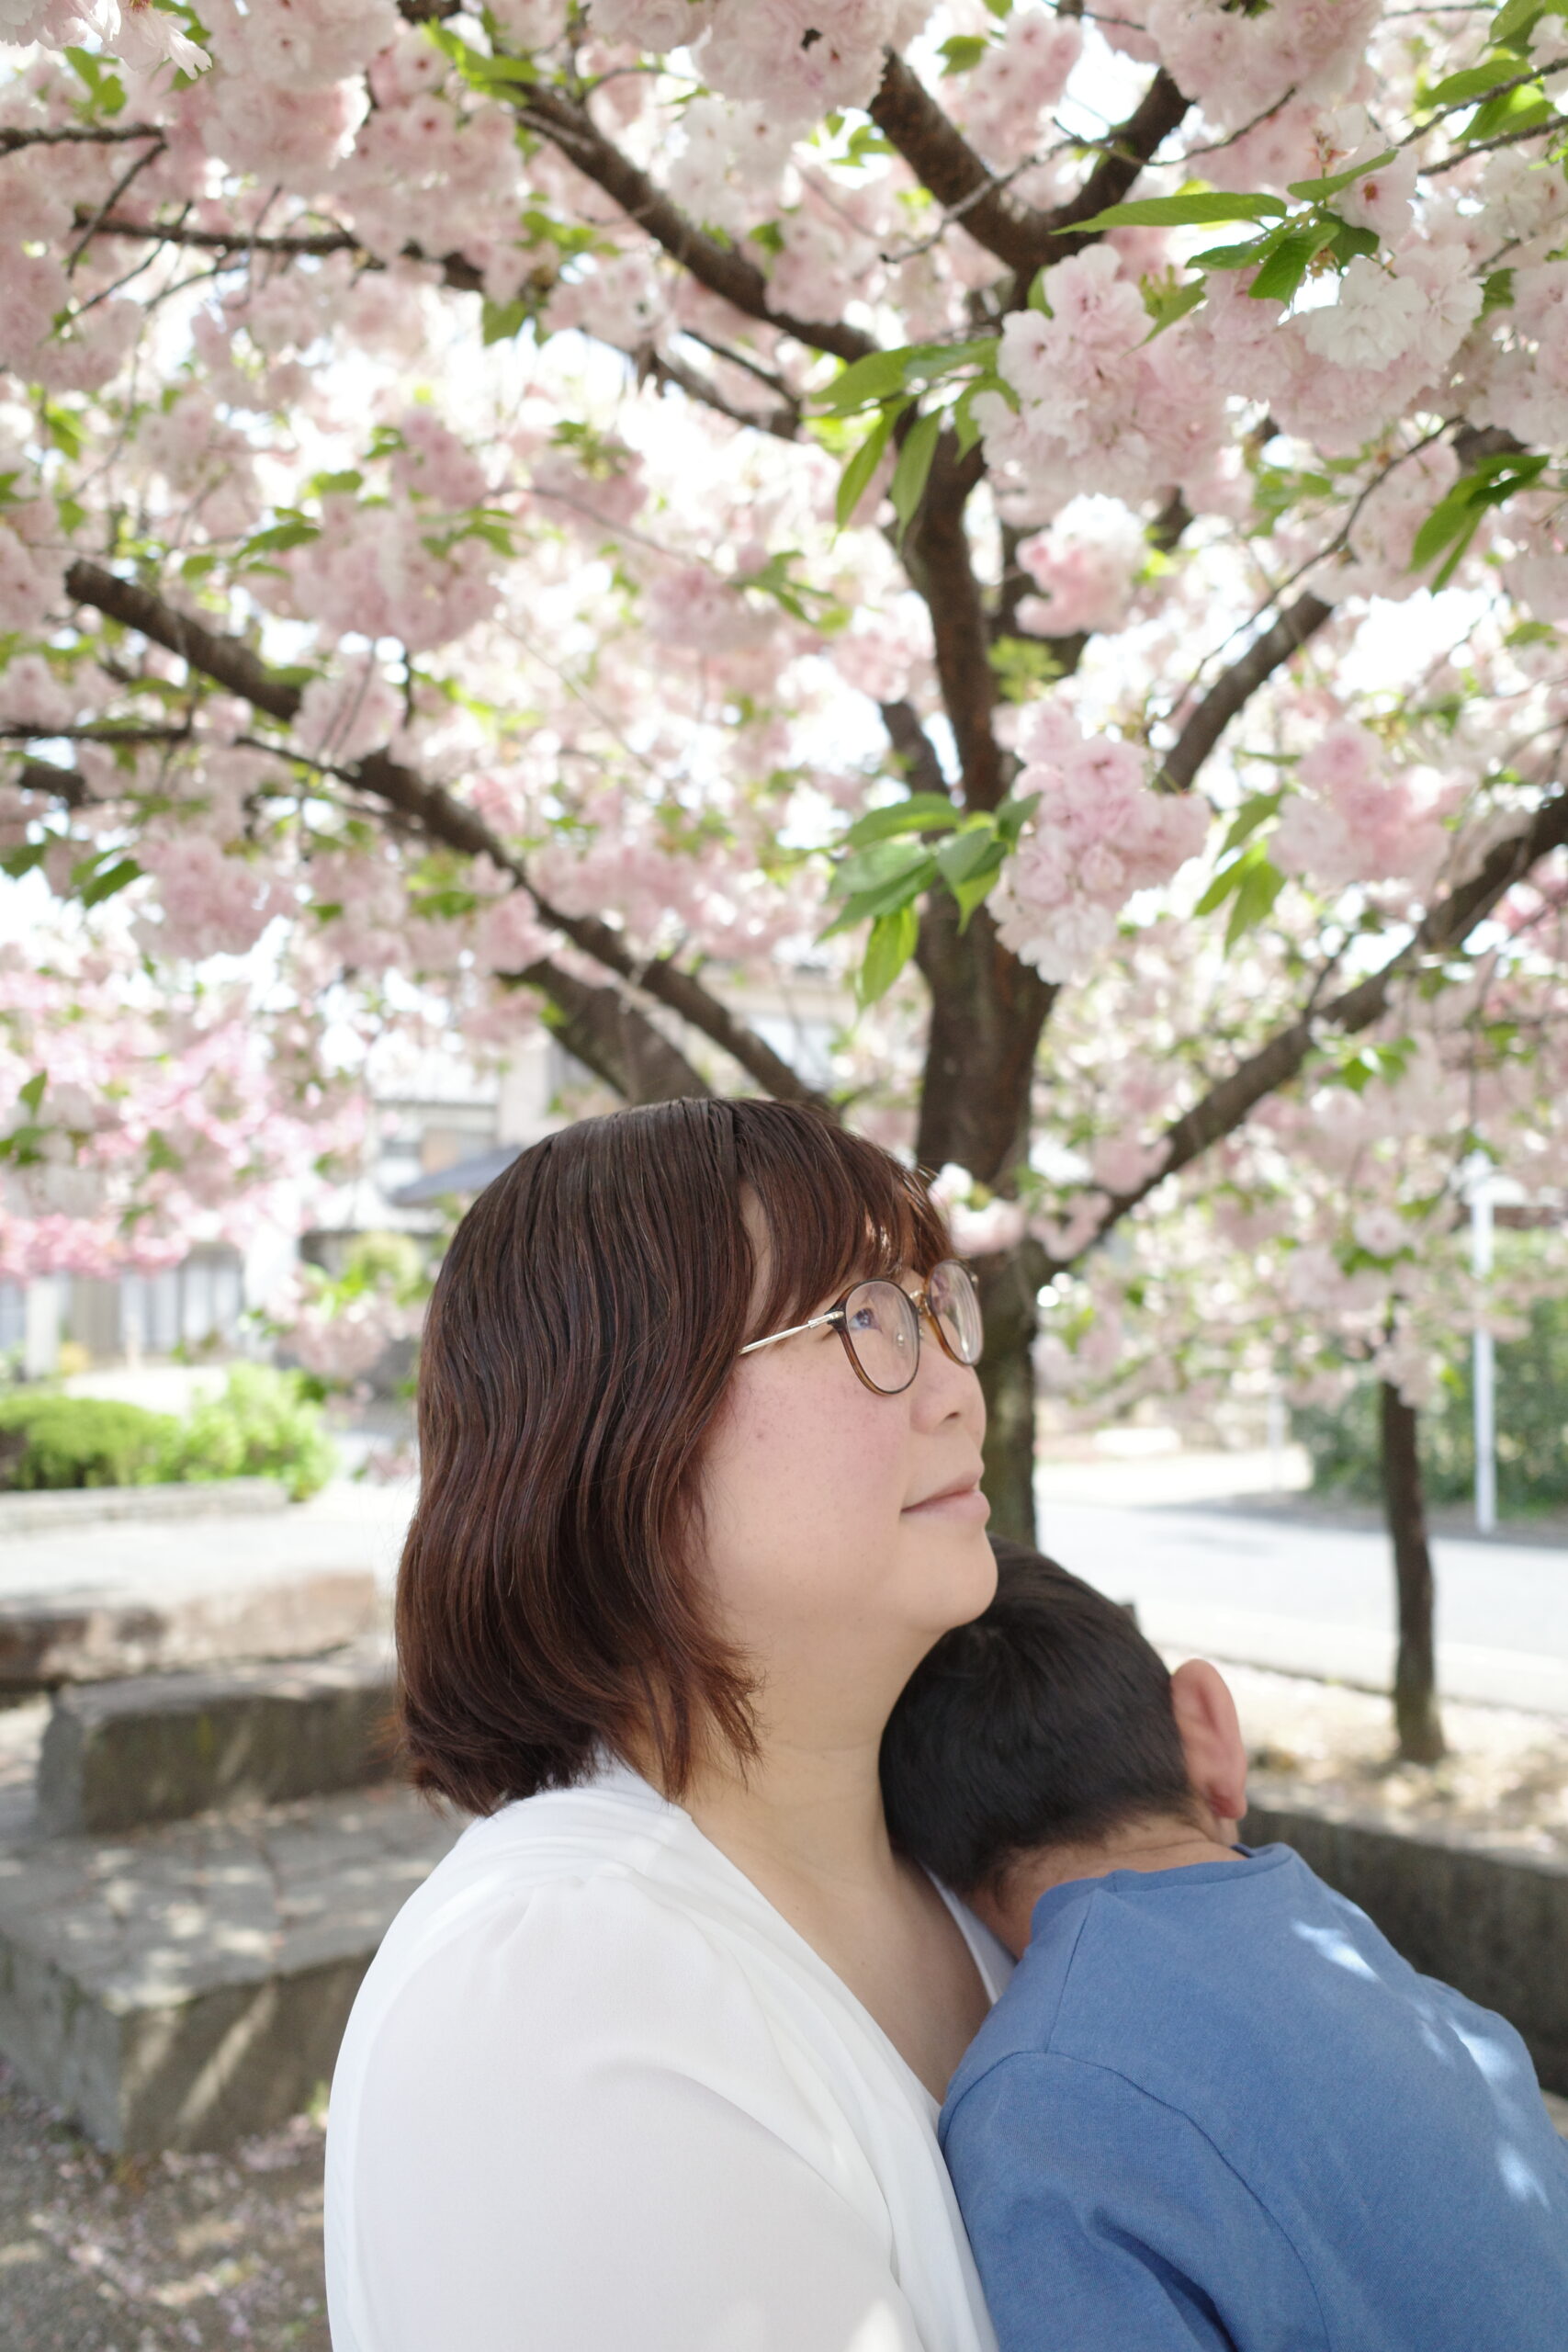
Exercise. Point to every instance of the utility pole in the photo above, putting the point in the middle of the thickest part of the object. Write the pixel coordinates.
(1483, 1357)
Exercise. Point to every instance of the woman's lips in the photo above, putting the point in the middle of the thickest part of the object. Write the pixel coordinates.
(964, 1502)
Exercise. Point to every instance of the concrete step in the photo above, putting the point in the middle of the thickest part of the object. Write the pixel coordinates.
(187, 1984)
(96, 1605)
(119, 1756)
(42, 1511)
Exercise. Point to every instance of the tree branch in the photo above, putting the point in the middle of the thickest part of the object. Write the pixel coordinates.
(1230, 693)
(456, 270)
(1160, 110)
(97, 134)
(723, 269)
(1446, 927)
(943, 162)
(235, 665)
(940, 562)
(923, 769)
(67, 785)
(607, 1034)
(783, 424)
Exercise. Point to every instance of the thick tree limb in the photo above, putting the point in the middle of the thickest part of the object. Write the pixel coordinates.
(723, 269)
(230, 663)
(1026, 238)
(943, 161)
(923, 769)
(941, 563)
(1133, 144)
(67, 785)
(611, 1037)
(1231, 692)
(1445, 928)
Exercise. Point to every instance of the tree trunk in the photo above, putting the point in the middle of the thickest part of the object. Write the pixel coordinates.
(988, 1010)
(1416, 1719)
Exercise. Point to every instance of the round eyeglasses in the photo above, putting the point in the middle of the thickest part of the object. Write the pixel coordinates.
(879, 1324)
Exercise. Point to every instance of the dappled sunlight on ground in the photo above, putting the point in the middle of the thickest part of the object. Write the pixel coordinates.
(156, 2253)
(1506, 1778)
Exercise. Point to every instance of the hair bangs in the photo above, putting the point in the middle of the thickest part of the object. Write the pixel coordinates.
(836, 1209)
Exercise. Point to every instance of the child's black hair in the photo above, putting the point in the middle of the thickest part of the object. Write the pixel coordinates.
(1047, 1722)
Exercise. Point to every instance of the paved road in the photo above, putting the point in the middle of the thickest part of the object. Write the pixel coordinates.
(1253, 1587)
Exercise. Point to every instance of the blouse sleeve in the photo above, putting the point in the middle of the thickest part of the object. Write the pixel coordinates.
(577, 2132)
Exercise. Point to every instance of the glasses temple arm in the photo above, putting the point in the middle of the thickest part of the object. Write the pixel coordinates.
(816, 1323)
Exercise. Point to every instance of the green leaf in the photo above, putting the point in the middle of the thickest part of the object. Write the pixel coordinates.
(865, 382)
(1315, 191)
(900, 889)
(1234, 877)
(969, 863)
(1350, 241)
(928, 362)
(1516, 111)
(499, 322)
(1455, 516)
(1473, 82)
(962, 51)
(1496, 291)
(64, 429)
(889, 948)
(295, 532)
(1283, 272)
(1166, 300)
(32, 1092)
(913, 469)
(1237, 256)
(109, 879)
(887, 860)
(1014, 814)
(1194, 209)
(862, 463)
(335, 485)
(1515, 22)
(923, 812)
(1259, 885)
(23, 859)
(1254, 811)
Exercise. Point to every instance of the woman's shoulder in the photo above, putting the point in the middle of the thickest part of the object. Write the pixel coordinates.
(569, 1900)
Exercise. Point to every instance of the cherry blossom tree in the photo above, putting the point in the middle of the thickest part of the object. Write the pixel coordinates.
(1330, 1242)
(582, 509)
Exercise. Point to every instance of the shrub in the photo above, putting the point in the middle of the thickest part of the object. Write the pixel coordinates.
(1342, 1442)
(263, 1426)
(48, 1439)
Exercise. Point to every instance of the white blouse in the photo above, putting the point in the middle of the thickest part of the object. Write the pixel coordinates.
(597, 2096)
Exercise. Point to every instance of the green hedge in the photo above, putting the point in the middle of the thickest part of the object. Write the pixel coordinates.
(52, 1441)
(1532, 1428)
(263, 1426)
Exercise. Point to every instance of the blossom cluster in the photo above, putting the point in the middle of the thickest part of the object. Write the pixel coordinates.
(1099, 833)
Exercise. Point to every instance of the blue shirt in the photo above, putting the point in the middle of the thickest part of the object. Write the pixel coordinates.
(1214, 2109)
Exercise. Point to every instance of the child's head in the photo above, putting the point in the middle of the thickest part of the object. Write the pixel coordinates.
(1051, 1726)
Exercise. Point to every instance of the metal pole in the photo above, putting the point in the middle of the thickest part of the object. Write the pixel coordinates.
(1483, 1361)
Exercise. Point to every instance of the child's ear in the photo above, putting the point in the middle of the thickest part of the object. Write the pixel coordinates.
(1210, 1733)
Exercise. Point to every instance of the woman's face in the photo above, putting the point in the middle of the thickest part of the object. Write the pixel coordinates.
(844, 1530)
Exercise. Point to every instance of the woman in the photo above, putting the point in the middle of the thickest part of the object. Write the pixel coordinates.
(652, 2062)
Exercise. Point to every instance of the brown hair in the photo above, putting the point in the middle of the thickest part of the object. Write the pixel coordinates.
(584, 1327)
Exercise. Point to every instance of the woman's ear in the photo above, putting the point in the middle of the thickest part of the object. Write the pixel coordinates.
(1210, 1733)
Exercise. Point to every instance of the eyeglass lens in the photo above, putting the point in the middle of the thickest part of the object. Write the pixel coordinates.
(883, 1328)
(955, 1303)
